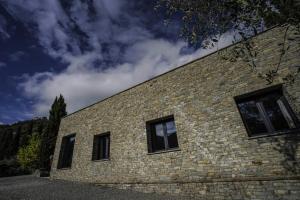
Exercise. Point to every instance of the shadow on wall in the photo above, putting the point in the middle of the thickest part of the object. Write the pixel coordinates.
(287, 146)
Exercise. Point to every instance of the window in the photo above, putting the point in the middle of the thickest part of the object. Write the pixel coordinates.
(266, 112)
(66, 151)
(101, 146)
(161, 134)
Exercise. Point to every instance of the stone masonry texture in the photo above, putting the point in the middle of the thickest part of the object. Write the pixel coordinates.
(216, 157)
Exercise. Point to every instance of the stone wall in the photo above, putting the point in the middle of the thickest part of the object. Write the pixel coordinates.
(216, 158)
(231, 189)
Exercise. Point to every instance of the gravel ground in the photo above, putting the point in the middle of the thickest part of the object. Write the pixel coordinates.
(34, 188)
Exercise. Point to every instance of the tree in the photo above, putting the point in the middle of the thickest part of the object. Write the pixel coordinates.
(202, 19)
(29, 155)
(203, 22)
(57, 111)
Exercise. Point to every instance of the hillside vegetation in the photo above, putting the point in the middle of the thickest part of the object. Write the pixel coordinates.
(29, 145)
(12, 139)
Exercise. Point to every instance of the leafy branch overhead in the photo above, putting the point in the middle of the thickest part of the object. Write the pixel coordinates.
(203, 22)
(247, 52)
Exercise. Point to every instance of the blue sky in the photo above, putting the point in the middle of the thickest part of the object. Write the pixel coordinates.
(84, 50)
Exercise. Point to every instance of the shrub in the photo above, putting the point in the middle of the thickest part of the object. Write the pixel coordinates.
(29, 155)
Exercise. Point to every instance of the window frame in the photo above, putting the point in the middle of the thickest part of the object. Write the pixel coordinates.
(150, 127)
(61, 162)
(96, 151)
(266, 120)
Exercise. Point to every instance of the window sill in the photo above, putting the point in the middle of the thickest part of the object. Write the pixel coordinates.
(164, 151)
(287, 132)
(64, 168)
(101, 160)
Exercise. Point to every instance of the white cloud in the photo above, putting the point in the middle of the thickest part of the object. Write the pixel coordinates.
(16, 56)
(2, 64)
(64, 31)
(3, 28)
(107, 49)
(81, 84)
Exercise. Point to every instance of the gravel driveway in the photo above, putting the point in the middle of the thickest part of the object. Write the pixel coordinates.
(33, 188)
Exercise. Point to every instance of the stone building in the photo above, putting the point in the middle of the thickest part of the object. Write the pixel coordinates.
(210, 129)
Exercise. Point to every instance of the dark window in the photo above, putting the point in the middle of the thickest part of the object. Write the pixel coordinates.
(266, 112)
(66, 151)
(101, 146)
(161, 134)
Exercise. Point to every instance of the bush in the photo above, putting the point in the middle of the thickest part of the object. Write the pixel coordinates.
(11, 168)
(29, 156)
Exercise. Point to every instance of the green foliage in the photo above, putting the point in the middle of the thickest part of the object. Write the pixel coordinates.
(11, 167)
(14, 136)
(206, 20)
(247, 52)
(202, 23)
(21, 140)
(12, 139)
(28, 156)
(57, 111)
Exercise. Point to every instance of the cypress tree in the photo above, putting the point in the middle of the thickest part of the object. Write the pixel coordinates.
(57, 111)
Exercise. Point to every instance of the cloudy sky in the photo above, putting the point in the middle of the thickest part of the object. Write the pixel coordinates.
(85, 50)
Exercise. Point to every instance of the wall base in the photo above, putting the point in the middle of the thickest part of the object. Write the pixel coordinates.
(244, 189)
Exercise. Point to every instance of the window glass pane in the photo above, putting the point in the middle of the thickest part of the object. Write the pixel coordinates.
(101, 147)
(252, 117)
(161, 134)
(158, 140)
(67, 147)
(72, 139)
(171, 133)
(267, 111)
(69, 151)
(96, 145)
(274, 112)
